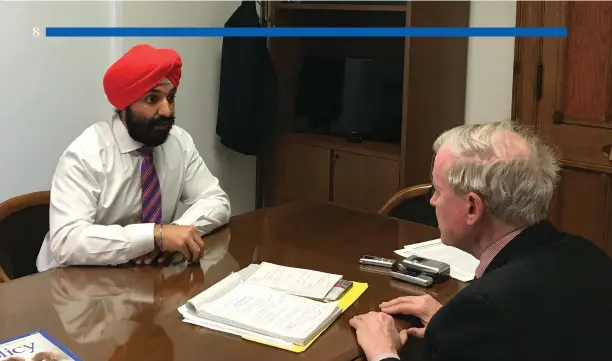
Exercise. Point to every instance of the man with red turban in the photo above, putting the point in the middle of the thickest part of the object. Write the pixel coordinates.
(116, 189)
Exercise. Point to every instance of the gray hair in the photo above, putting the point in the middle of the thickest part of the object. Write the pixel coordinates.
(508, 165)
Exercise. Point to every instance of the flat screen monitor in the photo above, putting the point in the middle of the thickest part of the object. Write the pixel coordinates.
(338, 96)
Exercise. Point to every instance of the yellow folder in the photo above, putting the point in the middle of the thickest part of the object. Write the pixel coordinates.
(344, 303)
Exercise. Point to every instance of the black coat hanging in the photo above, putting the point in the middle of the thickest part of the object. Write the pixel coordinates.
(247, 108)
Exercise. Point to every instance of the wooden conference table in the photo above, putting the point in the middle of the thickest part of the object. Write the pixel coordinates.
(130, 314)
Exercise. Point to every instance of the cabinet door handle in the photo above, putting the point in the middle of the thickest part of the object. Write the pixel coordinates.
(335, 158)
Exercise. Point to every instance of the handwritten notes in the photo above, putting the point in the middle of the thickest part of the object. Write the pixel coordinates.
(276, 303)
(296, 281)
(271, 312)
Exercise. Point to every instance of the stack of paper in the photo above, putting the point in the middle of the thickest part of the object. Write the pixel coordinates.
(271, 304)
(463, 265)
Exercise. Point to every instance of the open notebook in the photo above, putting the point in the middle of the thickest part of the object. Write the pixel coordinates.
(271, 304)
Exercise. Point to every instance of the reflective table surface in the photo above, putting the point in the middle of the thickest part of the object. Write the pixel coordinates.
(129, 313)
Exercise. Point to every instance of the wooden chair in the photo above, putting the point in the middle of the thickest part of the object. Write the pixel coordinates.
(24, 222)
(412, 204)
(3, 276)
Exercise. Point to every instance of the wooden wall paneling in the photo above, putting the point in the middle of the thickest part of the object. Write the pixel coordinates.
(583, 204)
(405, 94)
(573, 110)
(583, 94)
(285, 54)
(431, 108)
(527, 65)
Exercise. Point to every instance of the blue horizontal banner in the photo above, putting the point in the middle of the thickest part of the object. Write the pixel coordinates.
(302, 32)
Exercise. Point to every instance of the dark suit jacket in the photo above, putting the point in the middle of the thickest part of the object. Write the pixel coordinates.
(546, 296)
(247, 90)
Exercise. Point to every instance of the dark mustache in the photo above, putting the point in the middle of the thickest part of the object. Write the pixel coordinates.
(162, 120)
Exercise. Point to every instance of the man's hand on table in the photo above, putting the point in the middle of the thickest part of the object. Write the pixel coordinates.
(423, 307)
(154, 257)
(183, 239)
(377, 335)
(376, 331)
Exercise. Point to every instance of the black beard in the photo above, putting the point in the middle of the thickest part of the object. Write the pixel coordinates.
(143, 130)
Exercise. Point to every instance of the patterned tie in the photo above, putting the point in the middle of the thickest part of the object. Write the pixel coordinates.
(151, 193)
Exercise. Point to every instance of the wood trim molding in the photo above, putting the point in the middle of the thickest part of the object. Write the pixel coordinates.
(406, 193)
(3, 277)
(527, 57)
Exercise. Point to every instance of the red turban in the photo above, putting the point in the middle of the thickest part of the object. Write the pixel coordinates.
(141, 69)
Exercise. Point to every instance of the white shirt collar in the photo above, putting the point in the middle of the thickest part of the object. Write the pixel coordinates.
(124, 141)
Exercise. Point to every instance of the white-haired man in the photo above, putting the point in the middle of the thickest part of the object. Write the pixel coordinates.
(539, 294)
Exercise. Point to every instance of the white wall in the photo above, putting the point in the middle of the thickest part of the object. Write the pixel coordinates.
(47, 103)
(490, 64)
(196, 102)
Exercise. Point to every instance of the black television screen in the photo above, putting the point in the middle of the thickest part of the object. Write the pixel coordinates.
(338, 96)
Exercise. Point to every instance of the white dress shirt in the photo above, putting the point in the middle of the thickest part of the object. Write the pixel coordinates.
(94, 217)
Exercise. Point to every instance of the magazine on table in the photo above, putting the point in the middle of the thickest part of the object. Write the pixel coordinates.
(35, 346)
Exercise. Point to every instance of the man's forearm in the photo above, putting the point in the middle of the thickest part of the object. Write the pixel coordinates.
(101, 245)
(206, 214)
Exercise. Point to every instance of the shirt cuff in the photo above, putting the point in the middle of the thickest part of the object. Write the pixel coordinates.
(142, 238)
(181, 222)
(385, 356)
(200, 226)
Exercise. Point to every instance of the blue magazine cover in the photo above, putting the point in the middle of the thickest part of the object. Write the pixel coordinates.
(35, 346)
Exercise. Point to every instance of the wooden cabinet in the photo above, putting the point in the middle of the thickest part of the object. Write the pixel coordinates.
(306, 172)
(363, 182)
(348, 178)
(563, 87)
(430, 73)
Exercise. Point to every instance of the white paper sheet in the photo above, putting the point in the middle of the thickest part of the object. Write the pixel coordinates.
(260, 307)
(217, 326)
(297, 281)
(463, 265)
(241, 305)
